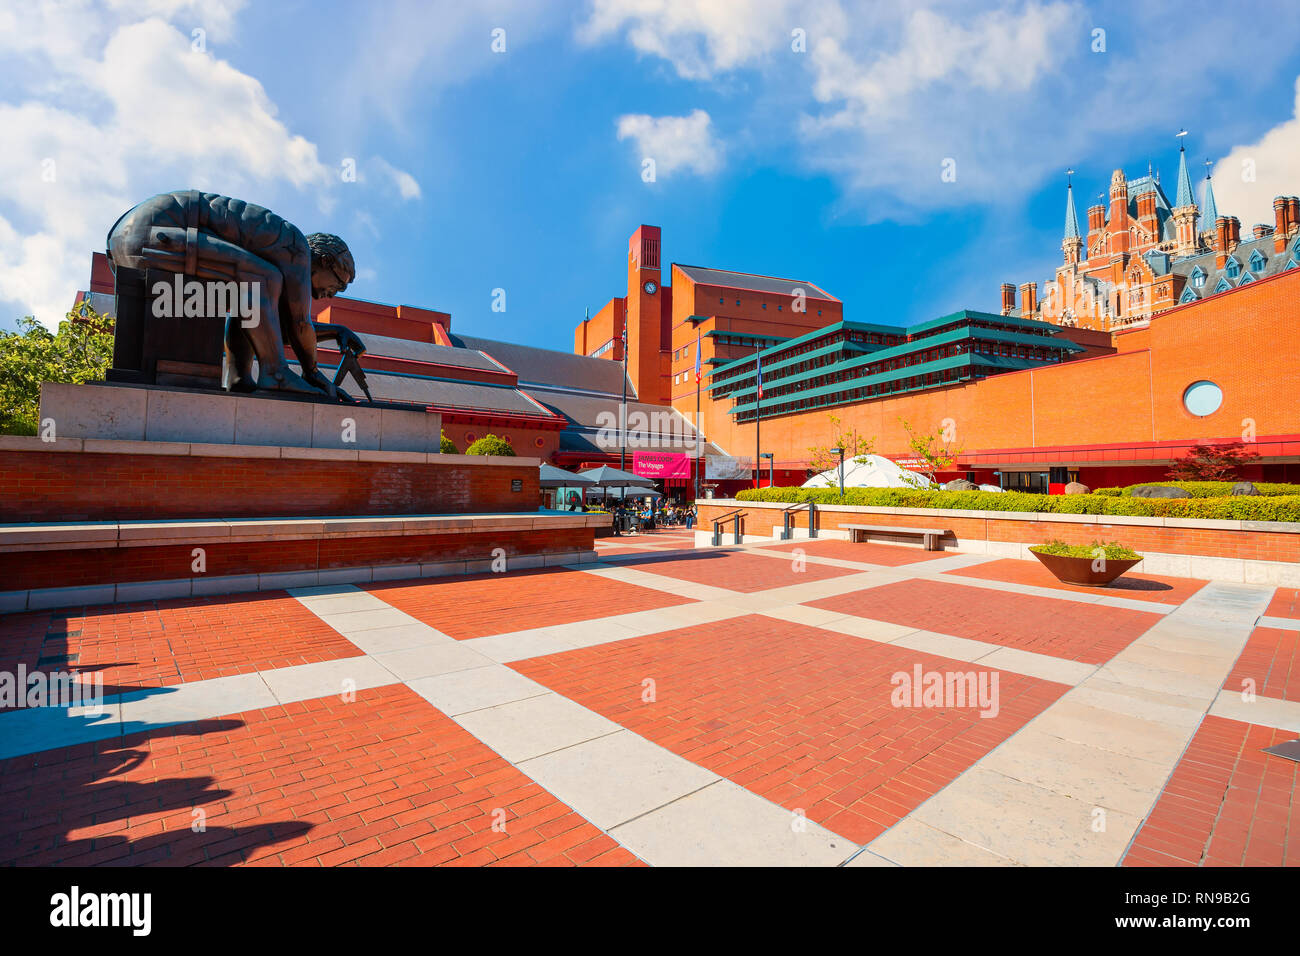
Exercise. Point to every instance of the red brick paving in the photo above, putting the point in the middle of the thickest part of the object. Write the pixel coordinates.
(1226, 804)
(1271, 658)
(384, 780)
(1074, 631)
(1285, 603)
(736, 570)
(484, 604)
(798, 715)
(159, 643)
(888, 555)
(1141, 587)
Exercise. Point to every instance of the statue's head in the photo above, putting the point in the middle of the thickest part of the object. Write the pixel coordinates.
(332, 268)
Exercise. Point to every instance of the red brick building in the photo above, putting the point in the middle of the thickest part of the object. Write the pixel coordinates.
(1142, 254)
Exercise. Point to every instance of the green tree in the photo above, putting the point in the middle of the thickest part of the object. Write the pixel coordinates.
(447, 447)
(491, 445)
(936, 453)
(81, 350)
(856, 447)
(1212, 462)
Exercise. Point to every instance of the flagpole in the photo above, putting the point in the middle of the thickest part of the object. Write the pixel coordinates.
(699, 444)
(758, 414)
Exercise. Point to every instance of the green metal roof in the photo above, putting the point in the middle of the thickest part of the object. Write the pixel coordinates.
(1002, 363)
(746, 378)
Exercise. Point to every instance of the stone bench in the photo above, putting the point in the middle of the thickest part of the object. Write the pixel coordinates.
(930, 537)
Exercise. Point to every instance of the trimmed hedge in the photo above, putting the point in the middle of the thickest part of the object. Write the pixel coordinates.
(1244, 507)
(446, 446)
(1206, 489)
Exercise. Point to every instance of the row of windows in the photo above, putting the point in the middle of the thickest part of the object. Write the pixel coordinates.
(779, 308)
(603, 349)
(865, 392)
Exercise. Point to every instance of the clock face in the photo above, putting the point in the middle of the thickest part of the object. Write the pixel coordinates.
(650, 288)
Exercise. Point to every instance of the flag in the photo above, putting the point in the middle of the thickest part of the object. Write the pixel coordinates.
(697, 358)
(760, 374)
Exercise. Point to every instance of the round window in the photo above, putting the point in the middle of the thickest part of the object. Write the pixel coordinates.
(1202, 398)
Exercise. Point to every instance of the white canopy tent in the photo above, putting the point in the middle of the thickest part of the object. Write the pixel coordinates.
(869, 471)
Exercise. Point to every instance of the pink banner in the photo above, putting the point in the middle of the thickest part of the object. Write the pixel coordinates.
(656, 464)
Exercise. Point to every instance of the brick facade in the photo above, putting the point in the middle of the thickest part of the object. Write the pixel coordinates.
(80, 486)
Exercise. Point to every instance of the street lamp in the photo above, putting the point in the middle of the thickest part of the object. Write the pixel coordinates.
(840, 452)
(771, 468)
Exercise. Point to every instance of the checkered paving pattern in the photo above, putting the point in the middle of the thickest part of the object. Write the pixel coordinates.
(796, 714)
(736, 570)
(795, 718)
(484, 604)
(1227, 804)
(1142, 587)
(385, 779)
(887, 555)
(1271, 659)
(1088, 633)
(162, 643)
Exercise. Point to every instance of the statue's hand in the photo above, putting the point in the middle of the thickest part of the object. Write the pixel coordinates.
(349, 341)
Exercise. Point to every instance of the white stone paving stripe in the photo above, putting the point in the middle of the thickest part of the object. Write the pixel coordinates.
(1285, 623)
(1268, 711)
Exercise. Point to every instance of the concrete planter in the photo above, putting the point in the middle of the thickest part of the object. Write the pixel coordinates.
(1079, 571)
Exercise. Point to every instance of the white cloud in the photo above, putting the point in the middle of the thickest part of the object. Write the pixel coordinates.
(109, 108)
(700, 38)
(673, 142)
(1273, 160)
(406, 184)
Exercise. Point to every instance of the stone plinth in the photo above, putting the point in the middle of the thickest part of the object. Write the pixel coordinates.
(126, 412)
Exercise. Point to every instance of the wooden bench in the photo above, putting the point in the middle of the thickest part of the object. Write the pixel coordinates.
(929, 536)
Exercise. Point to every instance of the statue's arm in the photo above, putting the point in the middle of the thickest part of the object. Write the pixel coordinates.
(297, 325)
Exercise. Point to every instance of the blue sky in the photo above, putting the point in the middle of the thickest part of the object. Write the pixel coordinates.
(522, 169)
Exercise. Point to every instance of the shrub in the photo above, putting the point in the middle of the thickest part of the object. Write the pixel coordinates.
(1113, 550)
(491, 445)
(447, 447)
(1245, 507)
(1217, 489)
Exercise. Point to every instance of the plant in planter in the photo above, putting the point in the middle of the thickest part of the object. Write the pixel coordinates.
(1095, 565)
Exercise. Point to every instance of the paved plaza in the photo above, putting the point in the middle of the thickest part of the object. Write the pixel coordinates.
(760, 705)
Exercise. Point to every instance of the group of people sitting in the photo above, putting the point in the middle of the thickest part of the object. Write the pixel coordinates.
(648, 516)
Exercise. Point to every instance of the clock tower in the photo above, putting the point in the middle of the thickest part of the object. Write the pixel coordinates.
(645, 316)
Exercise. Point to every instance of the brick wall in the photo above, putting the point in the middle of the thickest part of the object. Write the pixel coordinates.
(79, 486)
(26, 570)
(1237, 339)
(1204, 542)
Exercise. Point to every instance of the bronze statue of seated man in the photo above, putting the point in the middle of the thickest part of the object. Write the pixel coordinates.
(215, 237)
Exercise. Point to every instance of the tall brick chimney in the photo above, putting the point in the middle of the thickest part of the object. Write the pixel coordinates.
(1028, 299)
(1008, 298)
(1234, 232)
(1293, 214)
(1281, 216)
(1221, 242)
(1146, 203)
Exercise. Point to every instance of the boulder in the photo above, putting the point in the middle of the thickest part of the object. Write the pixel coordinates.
(1077, 488)
(1159, 491)
(1245, 488)
(961, 484)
